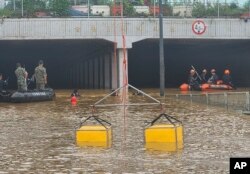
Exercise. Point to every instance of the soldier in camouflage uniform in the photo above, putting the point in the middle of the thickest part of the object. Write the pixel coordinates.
(26, 77)
(21, 75)
(40, 76)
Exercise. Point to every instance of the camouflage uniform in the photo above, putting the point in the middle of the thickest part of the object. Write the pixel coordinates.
(40, 75)
(26, 77)
(21, 83)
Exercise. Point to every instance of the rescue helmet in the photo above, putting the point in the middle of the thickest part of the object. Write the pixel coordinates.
(213, 70)
(192, 71)
(227, 71)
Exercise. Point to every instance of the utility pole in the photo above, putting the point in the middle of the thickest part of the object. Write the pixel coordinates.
(249, 8)
(22, 8)
(88, 8)
(154, 8)
(14, 5)
(161, 52)
(218, 9)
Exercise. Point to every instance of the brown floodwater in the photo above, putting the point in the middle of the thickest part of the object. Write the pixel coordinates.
(40, 137)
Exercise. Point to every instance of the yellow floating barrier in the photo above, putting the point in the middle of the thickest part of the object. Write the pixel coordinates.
(94, 135)
(167, 137)
(163, 147)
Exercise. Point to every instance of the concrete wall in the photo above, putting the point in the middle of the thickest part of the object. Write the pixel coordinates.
(135, 29)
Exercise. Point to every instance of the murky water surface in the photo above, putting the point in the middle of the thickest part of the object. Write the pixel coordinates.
(40, 137)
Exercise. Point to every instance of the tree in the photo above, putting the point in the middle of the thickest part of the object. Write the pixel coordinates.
(32, 6)
(211, 10)
(199, 10)
(233, 5)
(29, 7)
(5, 13)
(128, 9)
(247, 6)
(59, 7)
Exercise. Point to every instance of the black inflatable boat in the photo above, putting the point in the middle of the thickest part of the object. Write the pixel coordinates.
(27, 96)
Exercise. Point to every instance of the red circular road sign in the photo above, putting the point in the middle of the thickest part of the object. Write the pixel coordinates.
(199, 27)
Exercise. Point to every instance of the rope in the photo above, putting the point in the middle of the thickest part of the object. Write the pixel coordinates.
(124, 71)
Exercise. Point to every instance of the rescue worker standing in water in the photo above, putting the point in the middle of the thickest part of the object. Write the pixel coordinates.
(40, 76)
(193, 81)
(21, 75)
(227, 79)
(214, 78)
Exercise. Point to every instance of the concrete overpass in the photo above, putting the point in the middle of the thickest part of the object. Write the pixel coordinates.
(96, 71)
(135, 29)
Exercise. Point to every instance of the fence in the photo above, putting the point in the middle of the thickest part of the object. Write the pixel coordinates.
(229, 100)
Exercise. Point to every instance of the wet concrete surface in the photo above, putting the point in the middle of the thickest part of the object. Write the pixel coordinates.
(40, 137)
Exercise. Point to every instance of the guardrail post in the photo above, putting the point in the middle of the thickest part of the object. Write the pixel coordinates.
(207, 99)
(225, 99)
(247, 101)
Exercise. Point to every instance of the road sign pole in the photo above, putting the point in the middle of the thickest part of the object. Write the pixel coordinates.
(161, 52)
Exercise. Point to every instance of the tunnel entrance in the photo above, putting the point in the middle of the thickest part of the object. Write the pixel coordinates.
(181, 54)
(59, 56)
(81, 63)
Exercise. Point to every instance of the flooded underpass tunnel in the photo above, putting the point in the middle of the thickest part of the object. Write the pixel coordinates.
(69, 63)
(40, 137)
(181, 54)
(89, 63)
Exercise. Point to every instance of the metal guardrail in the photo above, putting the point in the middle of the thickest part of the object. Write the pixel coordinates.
(229, 100)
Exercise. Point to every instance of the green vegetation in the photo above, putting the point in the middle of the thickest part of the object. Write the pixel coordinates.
(32, 6)
(6, 12)
(247, 6)
(128, 9)
(212, 10)
(61, 7)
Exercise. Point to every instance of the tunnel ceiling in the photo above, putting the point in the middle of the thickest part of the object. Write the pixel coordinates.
(181, 54)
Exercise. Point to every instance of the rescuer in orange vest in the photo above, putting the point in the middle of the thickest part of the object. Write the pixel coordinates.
(227, 79)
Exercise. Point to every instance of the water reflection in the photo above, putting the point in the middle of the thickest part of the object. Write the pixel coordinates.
(40, 137)
(164, 147)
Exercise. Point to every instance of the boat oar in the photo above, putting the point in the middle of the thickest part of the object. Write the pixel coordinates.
(196, 72)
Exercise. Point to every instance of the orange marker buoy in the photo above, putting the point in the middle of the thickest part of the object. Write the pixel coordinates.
(73, 100)
(184, 87)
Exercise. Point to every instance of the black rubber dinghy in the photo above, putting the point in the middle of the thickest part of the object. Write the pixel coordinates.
(27, 96)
